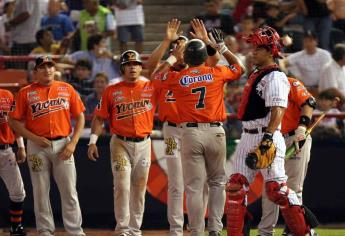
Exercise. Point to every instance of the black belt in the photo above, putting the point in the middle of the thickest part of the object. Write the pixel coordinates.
(56, 138)
(255, 131)
(291, 133)
(132, 139)
(212, 124)
(4, 146)
(172, 124)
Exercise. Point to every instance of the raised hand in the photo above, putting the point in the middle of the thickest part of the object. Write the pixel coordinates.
(172, 30)
(200, 31)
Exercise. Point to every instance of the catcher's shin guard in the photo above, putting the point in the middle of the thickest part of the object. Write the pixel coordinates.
(235, 204)
(293, 215)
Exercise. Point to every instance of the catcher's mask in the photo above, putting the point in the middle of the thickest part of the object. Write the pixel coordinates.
(266, 37)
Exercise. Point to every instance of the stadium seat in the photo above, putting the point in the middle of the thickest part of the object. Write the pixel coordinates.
(13, 79)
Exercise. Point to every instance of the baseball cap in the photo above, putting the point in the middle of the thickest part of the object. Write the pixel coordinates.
(310, 34)
(41, 60)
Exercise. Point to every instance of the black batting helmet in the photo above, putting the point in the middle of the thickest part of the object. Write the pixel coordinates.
(129, 56)
(195, 52)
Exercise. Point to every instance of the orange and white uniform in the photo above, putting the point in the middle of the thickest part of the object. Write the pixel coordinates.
(6, 105)
(129, 107)
(46, 111)
(201, 111)
(9, 170)
(295, 167)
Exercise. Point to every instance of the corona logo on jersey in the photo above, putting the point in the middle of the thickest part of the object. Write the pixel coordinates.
(188, 80)
(125, 110)
(49, 106)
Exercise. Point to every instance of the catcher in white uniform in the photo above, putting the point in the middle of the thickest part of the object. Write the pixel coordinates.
(262, 147)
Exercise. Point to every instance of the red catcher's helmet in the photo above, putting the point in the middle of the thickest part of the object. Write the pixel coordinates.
(266, 36)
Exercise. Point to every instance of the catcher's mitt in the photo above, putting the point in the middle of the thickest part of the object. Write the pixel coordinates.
(263, 155)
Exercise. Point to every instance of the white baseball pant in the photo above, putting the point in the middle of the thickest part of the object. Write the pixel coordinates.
(42, 163)
(130, 164)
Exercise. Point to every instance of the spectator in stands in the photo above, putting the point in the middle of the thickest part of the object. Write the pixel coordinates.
(337, 8)
(328, 101)
(213, 18)
(130, 23)
(24, 25)
(275, 18)
(100, 58)
(99, 84)
(46, 44)
(81, 78)
(333, 73)
(307, 64)
(5, 36)
(60, 24)
(318, 19)
(95, 19)
(247, 26)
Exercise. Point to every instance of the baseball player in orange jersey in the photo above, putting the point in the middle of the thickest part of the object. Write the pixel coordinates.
(9, 170)
(167, 112)
(295, 121)
(199, 100)
(261, 110)
(129, 106)
(43, 115)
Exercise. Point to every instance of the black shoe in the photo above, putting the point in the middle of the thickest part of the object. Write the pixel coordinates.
(213, 233)
(286, 231)
(19, 231)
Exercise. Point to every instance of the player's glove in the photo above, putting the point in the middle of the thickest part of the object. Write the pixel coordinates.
(263, 155)
(299, 137)
(217, 37)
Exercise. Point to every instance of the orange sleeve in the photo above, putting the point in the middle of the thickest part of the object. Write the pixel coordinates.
(19, 109)
(77, 105)
(231, 72)
(299, 94)
(103, 107)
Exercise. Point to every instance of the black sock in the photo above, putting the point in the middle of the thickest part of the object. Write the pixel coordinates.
(16, 213)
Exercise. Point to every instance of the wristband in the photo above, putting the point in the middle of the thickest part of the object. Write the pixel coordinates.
(210, 50)
(171, 60)
(93, 139)
(304, 120)
(20, 142)
(223, 49)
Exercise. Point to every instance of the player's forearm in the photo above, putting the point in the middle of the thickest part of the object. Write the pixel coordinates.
(277, 114)
(157, 55)
(20, 130)
(97, 125)
(162, 68)
(231, 58)
(79, 126)
(213, 60)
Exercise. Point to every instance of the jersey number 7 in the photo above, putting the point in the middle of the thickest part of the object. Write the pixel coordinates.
(202, 95)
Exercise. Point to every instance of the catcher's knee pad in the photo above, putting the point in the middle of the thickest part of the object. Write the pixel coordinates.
(294, 217)
(277, 193)
(236, 204)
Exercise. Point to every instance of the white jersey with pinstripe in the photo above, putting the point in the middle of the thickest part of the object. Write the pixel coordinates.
(274, 89)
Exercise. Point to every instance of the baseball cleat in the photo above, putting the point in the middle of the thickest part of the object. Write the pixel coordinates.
(19, 231)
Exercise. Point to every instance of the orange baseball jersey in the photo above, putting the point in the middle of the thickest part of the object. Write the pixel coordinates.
(297, 96)
(167, 110)
(46, 110)
(6, 105)
(129, 107)
(199, 91)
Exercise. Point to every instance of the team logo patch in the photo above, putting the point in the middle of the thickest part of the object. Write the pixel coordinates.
(36, 163)
(120, 163)
(52, 105)
(232, 68)
(130, 109)
(171, 146)
(188, 80)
